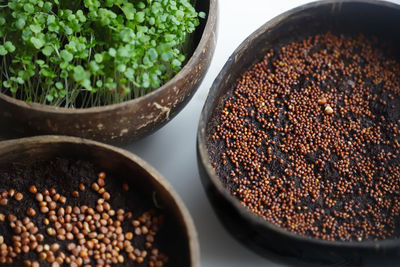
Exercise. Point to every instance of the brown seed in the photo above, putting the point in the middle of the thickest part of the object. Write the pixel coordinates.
(2, 217)
(125, 187)
(54, 247)
(56, 197)
(35, 264)
(101, 175)
(3, 201)
(322, 101)
(52, 191)
(44, 209)
(60, 259)
(39, 197)
(99, 208)
(81, 187)
(19, 196)
(39, 237)
(11, 192)
(25, 249)
(75, 193)
(101, 190)
(138, 231)
(33, 189)
(69, 236)
(52, 205)
(129, 235)
(31, 212)
(51, 231)
(68, 209)
(11, 217)
(95, 187)
(63, 199)
(106, 196)
(120, 258)
(101, 182)
(42, 256)
(328, 110)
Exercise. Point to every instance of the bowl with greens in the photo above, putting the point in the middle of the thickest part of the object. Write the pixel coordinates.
(109, 70)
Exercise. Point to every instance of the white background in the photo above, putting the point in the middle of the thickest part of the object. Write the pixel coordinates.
(172, 149)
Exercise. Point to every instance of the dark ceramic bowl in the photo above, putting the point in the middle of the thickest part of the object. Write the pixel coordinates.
(125, 122)
(179, 227)
(371, 17)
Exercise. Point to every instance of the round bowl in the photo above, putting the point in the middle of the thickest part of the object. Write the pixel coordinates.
(141, 177)
(124, 122)
(371, 17)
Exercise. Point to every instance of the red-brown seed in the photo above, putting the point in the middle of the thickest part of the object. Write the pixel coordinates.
(19, 196)
(31, 212)
(125, 187)
(101, 175)
(33, 189)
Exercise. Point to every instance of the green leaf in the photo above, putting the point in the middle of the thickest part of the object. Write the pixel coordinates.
(112, 52)
(36, 28)
(166, 56)
(98, 58)
(3, 51)
(9, 46)
(68, 30)
(49, 98)
(64, 74)
(51, 19)
(20, 23)
(80, 74)
(47, 50)
(153, 54)
(29, 8)
(121, 67)
(129, 11)
(123, 52)
(6, 84)
(67, 56)
(59, 85)
(37, 43)
(176, 63)
(129, 73)
(48, 6)
(202, 15)
(139, 17)
(94, 67)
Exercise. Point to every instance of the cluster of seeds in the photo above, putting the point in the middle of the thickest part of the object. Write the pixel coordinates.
(309, 138)
(80, 235)
(5, 195)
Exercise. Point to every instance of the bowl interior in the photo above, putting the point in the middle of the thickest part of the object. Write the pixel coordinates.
(143, 180)
(370, 18)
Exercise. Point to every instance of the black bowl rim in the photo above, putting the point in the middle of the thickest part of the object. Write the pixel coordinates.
(193, 242)
(195, 57)
(203, 151)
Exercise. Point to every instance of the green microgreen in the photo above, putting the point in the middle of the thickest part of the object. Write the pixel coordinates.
(80, 54)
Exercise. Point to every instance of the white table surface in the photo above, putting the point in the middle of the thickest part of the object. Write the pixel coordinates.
(172, 149)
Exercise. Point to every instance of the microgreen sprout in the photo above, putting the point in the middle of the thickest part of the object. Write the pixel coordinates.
(80, 54)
